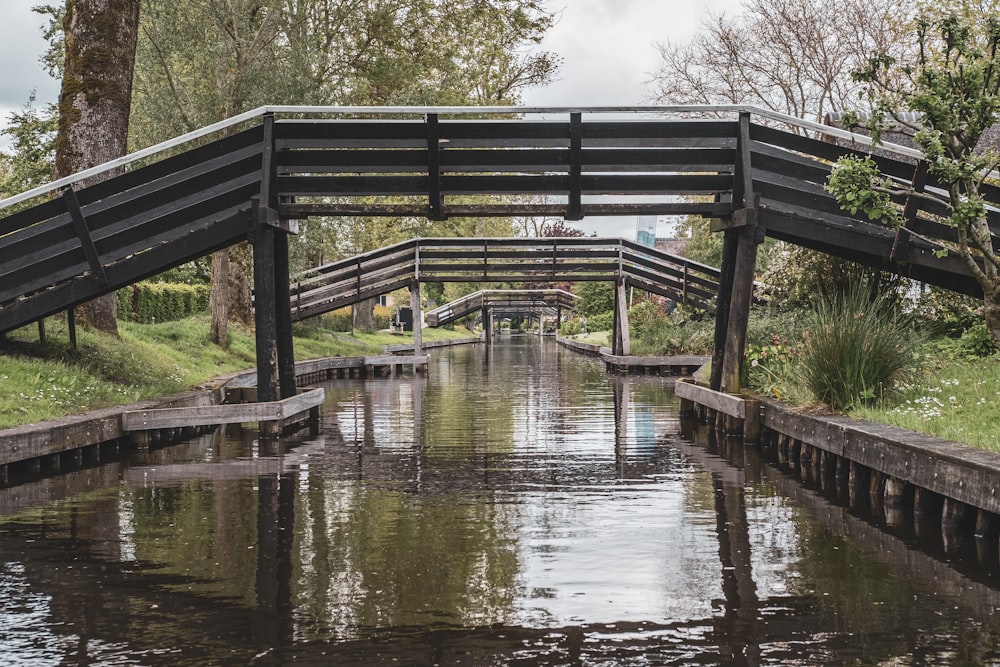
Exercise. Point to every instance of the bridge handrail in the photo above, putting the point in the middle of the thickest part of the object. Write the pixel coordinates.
(259, 112)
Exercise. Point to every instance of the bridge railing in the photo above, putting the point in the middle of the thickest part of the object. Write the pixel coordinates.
(97, 238)
(790, 173)
(502, 260)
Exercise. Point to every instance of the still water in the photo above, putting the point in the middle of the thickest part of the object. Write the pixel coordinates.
(518, 506)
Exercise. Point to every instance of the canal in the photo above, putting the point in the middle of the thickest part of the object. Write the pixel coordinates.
(516, 506)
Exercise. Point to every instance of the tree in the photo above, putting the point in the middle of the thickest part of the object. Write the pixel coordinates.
(200, 62)
(94, 102)
(953, 82)
(29, 163)
(789, 56)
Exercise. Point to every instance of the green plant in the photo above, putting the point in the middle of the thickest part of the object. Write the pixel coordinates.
(601, 321)
(856, 350)
(768, 366)
(570, 327)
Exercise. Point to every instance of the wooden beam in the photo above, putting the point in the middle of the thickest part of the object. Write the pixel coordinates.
(265, 305)
(283, 318)
(435, 196)
(902, 241)
(417, 317)
(727, 404)
(83, 233)
(622, 345)
(574, 209)
(209, 415)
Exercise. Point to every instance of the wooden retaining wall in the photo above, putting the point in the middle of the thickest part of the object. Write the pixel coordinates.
(906, 476)
(73, 440)
(677, 365)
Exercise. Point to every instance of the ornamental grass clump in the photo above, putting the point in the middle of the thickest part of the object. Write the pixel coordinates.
(857, 350)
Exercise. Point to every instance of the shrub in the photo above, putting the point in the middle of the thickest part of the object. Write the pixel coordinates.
(601, 321)
(147, 302)
(857, 350)
(570, 327)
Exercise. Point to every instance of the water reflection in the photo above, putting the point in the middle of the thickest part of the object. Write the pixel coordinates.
(517, 506)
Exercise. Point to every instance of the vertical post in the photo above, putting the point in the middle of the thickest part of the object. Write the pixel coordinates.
(264, 308)
(71, 321)
(487, 328)
(743, 269)
(722, 301)
(41, 331)
(622, 342)
(417, 317)
(283, 316)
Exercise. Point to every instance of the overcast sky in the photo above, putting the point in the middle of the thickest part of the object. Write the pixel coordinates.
(608, 49)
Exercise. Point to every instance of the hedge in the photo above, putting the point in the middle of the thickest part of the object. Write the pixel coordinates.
(148, 302)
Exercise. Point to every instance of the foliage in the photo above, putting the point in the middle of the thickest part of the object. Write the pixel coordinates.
(571, 327)
(595, 297)
(32, 133)
(946, 313)
(604, 321)
(150, 302)
(953, 398)
(654, 332)
(703, 245)
(795, 277)
(856, 349)
(952, 82)
(342, 319)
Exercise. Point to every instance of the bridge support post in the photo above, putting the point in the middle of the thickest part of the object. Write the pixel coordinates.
(487, 325)
(740, 299)
(265, 308)
(283, 313)
(621, 341)
(417, 317)
(738, 258)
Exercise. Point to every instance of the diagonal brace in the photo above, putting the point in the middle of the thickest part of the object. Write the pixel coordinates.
(83, 233)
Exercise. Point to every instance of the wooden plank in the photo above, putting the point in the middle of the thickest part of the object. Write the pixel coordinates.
(728, 404)
(391, 359)
(207, 236)
(208, 415)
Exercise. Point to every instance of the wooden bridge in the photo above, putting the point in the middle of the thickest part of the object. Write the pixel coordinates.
(254, 175)
(503, 302)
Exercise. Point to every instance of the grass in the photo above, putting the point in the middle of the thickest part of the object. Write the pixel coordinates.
(42, 382)
(954, 399)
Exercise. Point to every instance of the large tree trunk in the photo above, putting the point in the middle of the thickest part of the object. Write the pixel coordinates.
(218, 299)
(364, 316)
(94, 103)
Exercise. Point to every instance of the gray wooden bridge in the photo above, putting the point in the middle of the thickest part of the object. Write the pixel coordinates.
(490, 303)
(254, 175)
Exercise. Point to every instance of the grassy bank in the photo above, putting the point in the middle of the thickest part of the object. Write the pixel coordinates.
(952, 399)
(40, 382)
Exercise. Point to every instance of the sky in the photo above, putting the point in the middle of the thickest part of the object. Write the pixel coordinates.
(608, 49)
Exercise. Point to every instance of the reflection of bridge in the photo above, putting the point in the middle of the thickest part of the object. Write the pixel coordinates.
(503, 302)
(260, 173)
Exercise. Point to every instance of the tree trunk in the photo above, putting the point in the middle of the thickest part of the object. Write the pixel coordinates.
(218, 299)
(991, 312)
(364, 316)
(94, 103)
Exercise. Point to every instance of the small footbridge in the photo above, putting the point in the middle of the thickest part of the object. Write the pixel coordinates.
(498, 303)
(754, 172)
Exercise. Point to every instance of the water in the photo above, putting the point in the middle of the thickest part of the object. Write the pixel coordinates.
(516, 507)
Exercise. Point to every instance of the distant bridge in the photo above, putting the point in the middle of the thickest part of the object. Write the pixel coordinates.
(502, 302)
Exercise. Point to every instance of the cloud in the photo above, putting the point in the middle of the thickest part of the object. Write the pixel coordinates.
(22, 45)
(609, 48)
